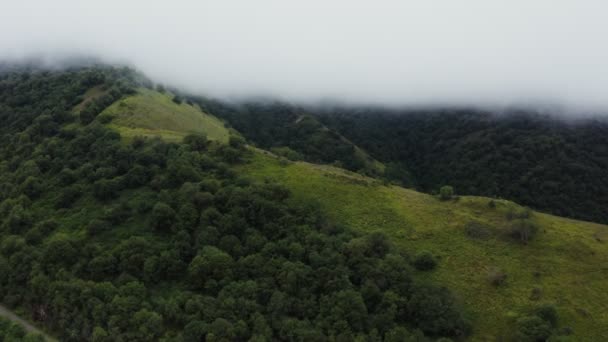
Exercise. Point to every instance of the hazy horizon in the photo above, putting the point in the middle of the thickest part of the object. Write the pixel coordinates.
(413, 53)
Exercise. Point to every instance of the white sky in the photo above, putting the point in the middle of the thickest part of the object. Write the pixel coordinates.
(392, 52)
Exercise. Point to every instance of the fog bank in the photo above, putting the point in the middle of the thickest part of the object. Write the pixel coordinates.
(420, 52)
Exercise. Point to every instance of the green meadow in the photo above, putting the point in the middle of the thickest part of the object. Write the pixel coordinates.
(153, 114)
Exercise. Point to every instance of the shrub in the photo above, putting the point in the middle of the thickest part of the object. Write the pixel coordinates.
(548, 313)
(59, 251)
(202, 200)
(47, 226)
(117, 214)
(523, 230)
(425, 261)
(105, 189)
(33, 236)
(163, 216)
(378, 246)
(67, 176)
(137, 176)
(32, 187)
(532, 328)
(197, 142)
(97, 226)
(210, 263)
(68, 196)
(105, 119)
(497, 277)
(287, 152)
(446, 192)
(236, 141)
(477, 230)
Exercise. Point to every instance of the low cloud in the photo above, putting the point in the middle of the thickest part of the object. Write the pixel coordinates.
(419, 52)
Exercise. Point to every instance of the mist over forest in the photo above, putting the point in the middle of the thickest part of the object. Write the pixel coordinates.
(218, 171)
(478, 53)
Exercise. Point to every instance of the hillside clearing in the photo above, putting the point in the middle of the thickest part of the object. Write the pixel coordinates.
(153, 114)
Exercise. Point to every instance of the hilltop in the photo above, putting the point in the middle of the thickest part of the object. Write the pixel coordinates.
(152, 114)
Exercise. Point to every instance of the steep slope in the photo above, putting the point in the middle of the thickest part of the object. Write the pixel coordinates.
(276, 125)
(152, 114)
(565, 265)
(103, 238)
(111, 239)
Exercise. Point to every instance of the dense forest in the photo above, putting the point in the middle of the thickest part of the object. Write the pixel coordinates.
(104, 239)
(291, 132)
(550, 164)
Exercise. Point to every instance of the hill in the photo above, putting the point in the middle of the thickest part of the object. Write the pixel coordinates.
(564, 265)
(110, 239)
(152, 114)
(108, 236)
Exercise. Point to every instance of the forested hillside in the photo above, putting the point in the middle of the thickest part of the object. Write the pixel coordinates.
(293, 133)
(545, 162)
(504, 262)
(104, 238)
(551, 164)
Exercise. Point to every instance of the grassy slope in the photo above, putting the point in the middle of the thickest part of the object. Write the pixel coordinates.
(153, 114)
(567, 261)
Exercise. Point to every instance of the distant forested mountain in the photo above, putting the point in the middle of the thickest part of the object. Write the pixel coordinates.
(551, 164)
(292, 132)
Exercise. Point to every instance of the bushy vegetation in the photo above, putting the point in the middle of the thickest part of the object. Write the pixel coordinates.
(446, 192)
(424, 261)
(521, 227)
(540, 325)
(563, 264)
(107, 240)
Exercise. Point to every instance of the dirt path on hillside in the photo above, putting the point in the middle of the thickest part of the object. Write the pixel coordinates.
(5, 312)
